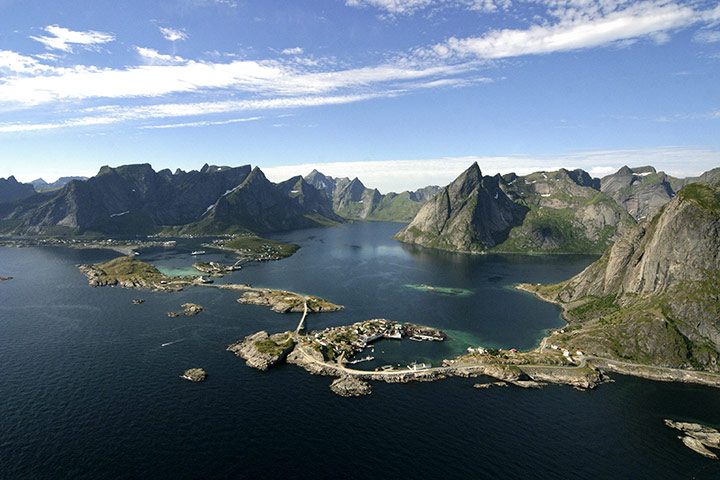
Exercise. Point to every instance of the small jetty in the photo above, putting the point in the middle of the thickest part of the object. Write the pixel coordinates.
(360, 360)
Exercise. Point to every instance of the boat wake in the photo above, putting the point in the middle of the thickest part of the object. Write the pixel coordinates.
(170, 343)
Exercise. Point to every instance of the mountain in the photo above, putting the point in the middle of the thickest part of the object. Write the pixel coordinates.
(561, 211)
(257, 205)
(134, 199)
(11, 189)
(641, 191)
(471, 214)
(43, 186)
(308, 197)
(654, 297)
(353, 200)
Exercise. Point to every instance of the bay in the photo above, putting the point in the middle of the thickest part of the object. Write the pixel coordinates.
(88, 390)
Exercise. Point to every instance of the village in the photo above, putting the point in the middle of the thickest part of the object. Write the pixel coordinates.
(345, 342)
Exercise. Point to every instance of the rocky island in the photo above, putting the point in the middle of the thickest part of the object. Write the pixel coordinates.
(189, 309)
(263, 351)
(285, 302)
(194, 375)
(127, 272)
(697, 437)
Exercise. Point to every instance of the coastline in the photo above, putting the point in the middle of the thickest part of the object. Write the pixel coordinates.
(650, 372)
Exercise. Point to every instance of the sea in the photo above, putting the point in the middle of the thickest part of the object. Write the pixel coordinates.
(90, 385)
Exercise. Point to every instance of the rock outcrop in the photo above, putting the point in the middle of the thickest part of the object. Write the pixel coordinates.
(263, 351)
(641, 191)
(697, 437)
(348, 386)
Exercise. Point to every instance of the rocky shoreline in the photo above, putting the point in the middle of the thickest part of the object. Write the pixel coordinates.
(697, 437)
(189, 309)
(650, 372)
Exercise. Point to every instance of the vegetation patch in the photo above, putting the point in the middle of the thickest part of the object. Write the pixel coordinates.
(261, 248)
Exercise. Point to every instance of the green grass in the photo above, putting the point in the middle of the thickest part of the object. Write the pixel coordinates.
(268, 347)
(596, 306)
(127, 267)
(708, 197)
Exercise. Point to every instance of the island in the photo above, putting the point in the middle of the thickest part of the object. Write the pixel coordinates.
(697, 438)
(189, 309)
(254, 248)
(282, 301)
(194, 375)
(128, 272)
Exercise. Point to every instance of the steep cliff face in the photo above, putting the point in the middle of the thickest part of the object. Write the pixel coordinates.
(559, 211)
(471, 214)
(642, 191)
(255, 205)
(654, 297)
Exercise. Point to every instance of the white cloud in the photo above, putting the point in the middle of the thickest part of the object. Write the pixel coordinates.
(293, 51)
(400, 175)
(173, 34)
(264, 77)
(576, 30)
(65, 39)
(15, 63)
(154, 57)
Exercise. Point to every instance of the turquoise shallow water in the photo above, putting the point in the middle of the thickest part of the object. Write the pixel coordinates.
(89, 390)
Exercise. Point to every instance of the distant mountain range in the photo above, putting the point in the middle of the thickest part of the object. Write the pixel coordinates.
(353, 200)
(562, 211)
(136, 200)
(544, 212)
(43, 186)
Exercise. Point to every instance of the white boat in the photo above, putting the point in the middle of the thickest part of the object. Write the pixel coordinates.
(198, 252)
(364, 359)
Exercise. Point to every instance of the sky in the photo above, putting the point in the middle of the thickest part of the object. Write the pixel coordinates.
(401, 93)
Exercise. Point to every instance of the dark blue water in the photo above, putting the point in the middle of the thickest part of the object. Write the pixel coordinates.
(87, 390)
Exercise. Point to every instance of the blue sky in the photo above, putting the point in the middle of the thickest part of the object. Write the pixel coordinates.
(401, 93)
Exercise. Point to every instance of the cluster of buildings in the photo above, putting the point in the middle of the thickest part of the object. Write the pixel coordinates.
(352, 339)
(566, 353)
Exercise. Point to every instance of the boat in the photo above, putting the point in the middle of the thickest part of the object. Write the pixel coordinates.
(198, 252)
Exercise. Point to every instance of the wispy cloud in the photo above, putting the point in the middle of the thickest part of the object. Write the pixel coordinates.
(112, 114)
(202, 124)
(576, 30)
(65, 39)
(391, 6)
(173, 34)
(153, 57)
(399, 175)
(293, 51)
